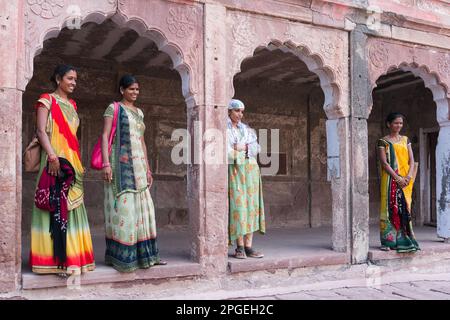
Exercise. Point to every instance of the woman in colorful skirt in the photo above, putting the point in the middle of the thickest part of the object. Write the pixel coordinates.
(246, 203)
(129, 211)
(396, 182)
(60, 237)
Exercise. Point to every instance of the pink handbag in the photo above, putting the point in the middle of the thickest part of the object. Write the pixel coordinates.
(96, 158)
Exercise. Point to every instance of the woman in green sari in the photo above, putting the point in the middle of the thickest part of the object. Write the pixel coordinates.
(129, 211)
(246, 205)
(396, 184)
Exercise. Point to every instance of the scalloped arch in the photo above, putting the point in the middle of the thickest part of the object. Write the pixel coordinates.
(315, 64)
(142, 29)
(431, 81)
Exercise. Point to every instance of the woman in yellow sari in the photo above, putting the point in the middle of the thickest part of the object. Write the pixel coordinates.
(60, 239)
(396, 171)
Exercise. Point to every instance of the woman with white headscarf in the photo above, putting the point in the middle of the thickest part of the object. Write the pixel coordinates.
(246, 205)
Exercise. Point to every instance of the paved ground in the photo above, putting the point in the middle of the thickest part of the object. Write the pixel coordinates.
(415, 290)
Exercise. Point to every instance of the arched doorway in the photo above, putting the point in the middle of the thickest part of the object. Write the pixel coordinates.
(102, 53)
(415, 92)
(285, 91)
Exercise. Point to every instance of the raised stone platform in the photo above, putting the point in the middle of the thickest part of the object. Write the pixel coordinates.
(284, 248)
(173, 246)
(106, 274)
(429, 243)
(288, 248)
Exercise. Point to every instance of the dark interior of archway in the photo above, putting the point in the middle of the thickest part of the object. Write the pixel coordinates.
(400, 91)
(102, 54)
(281, 93)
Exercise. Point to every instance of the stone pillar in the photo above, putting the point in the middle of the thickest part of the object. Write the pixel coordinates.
(360, 101)
(338, 137)
(214, 115)
(443, 181)
(11, 37)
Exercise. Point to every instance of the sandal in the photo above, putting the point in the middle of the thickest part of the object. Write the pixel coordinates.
(385, 248)
(252, 253)
(239, 253)
(161, 263)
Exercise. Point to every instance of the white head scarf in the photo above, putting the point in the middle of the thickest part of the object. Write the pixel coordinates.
(236, 104)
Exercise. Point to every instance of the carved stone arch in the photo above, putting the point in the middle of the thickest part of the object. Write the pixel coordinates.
(431, 65)
(178, 32)
(186, 60)
(326, 58)
(431, 81)
(315, 64)
(325, 52)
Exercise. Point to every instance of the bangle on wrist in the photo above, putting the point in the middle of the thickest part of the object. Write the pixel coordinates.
(106, 164)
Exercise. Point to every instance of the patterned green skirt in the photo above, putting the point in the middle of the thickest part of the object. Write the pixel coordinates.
(130, 230)
(246, 203)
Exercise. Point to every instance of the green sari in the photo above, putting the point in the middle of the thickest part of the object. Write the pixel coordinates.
(246, 204)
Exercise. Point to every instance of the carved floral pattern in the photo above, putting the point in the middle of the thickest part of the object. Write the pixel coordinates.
(378, 55)
(290, 33)
(31, 34)
(193, 55)
(182, 22)
(328, 47)
(444, 66)
(47, 9)
(244, 32)
(428, 6)
(117, 3)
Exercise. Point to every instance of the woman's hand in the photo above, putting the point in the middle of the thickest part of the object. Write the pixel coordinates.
(401, 181)
(407, 180)
(107, 173)
(54, 166)
(149, 179)
(240, 147)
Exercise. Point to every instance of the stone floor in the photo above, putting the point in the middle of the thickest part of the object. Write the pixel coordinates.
(283, 248)
(413, 290)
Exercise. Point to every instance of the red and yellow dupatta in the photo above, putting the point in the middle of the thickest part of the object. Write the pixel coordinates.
(62, 127)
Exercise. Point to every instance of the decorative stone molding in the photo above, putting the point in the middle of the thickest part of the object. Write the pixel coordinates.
(329, 46)
(174, 33)
(444, 66)
(290, 32)
(428, 62)
(46, 9)
(378, 55)
(117, 4)
(193, 57)
(428, 5)
(182, 22)
(243, 32)
(324, 51)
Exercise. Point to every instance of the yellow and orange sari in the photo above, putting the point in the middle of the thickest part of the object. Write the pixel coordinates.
(396, 230)
(61, 128)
